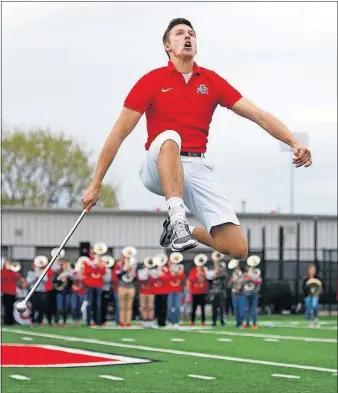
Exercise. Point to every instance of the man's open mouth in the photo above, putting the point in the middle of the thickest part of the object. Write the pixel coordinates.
(187, 44)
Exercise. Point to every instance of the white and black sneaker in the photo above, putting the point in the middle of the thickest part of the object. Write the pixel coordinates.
(181, 238)
(167, 233)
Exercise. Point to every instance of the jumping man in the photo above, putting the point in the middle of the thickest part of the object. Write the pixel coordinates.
(179, 101)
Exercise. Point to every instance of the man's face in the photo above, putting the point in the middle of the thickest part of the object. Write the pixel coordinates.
(182, 42)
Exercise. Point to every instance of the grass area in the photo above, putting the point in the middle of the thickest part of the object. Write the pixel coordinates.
(169, 372)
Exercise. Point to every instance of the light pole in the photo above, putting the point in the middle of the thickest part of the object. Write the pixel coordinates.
(303, 138)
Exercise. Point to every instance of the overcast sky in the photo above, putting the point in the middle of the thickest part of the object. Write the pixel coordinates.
(69, 66)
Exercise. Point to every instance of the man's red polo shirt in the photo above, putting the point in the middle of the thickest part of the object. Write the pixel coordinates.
(187, 108)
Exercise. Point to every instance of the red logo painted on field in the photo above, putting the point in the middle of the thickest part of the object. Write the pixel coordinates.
(23, 355)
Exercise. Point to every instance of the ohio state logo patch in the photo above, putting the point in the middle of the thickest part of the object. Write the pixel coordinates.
(23, 355)
(202, 89)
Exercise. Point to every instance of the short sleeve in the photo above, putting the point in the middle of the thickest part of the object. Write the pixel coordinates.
(227, 94)
(140, 96)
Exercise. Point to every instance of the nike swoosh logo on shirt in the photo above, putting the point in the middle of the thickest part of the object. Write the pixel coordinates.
(165, 90)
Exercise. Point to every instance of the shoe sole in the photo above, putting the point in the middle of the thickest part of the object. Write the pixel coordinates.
(164, 235)
(185, 247)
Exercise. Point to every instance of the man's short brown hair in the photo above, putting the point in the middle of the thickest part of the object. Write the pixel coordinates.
(172, 24)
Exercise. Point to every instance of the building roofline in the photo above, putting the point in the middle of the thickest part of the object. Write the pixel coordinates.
(103, 211)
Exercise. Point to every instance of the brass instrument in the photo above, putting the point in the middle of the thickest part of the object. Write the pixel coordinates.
(161, 259)
(15, 266)
(100, 248)
(130, 275)
(79, 265)
(233, 264)
(237, 275)
(130, 263)
(129, 252)
(61, 255)
(253, 261)
(149, 262)
(40, 262)
(217, 256)
(200, 260)
(315, 286)
(108, 261)
(176, 257)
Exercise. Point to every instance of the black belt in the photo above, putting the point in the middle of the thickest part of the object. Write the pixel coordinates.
(191, 154)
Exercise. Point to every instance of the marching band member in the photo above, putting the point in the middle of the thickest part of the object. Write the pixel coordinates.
(39, 299)
(63, 285)
(161, 289)
(107, 286)
(51, 292)
(78, 292)
(198, 287)
(251, 287)
(147, 298)
(186, 300)
(218, 287)
(126, 273)
(10, 278)
(176, 270)
(115, 282)
(312, 288)
(50, 298)
(236, 283)
(93, 272)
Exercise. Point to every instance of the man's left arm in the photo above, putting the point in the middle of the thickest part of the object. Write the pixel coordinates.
(245, 108)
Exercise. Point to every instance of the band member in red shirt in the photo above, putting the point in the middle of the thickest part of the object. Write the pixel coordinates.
(93, 272)
(198, 287)
(78, 296)
(179, 101)
(161, 289)
(147, 299)
(115, 282)
(176, 283)
(9, 282)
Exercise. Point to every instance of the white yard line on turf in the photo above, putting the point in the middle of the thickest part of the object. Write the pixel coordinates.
(273, 340)
(111, 377)
(285, 376)
(170, 351)
(200, 376)
(128, 339)
(27, 339)
(178, 340)
(305, 327)
(225, 340)
(260, 335)
(19, 377)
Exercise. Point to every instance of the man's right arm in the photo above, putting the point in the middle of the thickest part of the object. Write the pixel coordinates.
(122, 128)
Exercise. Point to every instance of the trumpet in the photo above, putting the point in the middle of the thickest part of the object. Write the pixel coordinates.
(61, 255)
(200, 259)
(149, 262)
